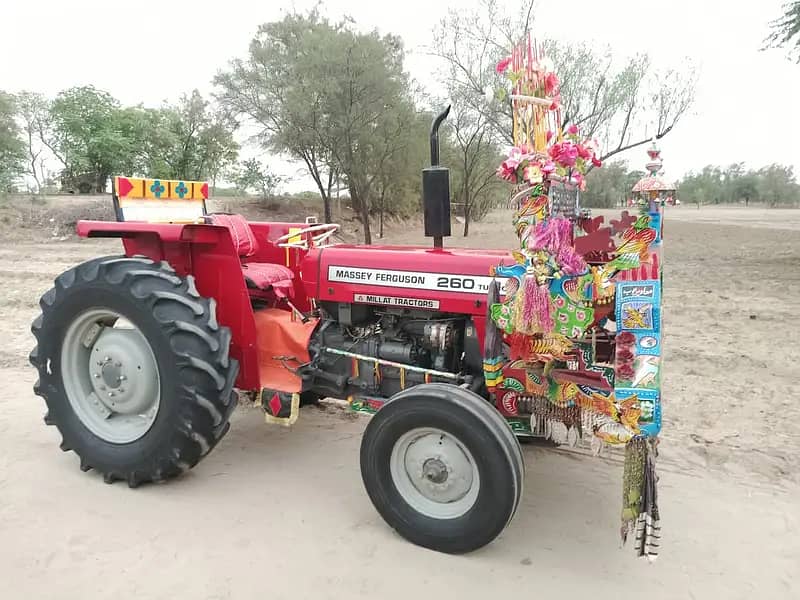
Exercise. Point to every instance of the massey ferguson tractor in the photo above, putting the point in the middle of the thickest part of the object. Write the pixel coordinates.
(141, 356)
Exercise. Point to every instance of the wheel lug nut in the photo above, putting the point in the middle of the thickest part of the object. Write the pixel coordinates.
(117, 364)
(123, 378)
(111, 394)
(97, 375)
(121, 390)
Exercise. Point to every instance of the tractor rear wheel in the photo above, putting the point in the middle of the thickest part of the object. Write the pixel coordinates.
(442, 467)
(134, 368)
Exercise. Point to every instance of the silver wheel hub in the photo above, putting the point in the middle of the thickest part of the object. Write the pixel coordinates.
(110, 376)
(435, 473)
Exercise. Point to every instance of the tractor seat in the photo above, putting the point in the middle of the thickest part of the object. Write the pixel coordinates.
(262, 277)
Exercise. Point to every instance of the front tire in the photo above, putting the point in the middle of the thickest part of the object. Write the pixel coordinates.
(134, 368)
(442, 468)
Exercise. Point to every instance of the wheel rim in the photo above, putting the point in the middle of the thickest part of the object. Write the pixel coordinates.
(110, 376)
(435, 473)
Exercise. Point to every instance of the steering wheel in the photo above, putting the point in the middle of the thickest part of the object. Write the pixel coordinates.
(326, 229)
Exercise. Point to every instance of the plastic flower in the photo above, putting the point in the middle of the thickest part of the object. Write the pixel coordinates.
(533, 174)
(564, 153)
(502, 66)
(549, 136)
(583, 151)
(548, 167)
(572, 129)
(596, 161)
(507, 173)
(551, 84)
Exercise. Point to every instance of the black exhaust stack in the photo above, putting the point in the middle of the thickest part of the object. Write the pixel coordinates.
(436, 190)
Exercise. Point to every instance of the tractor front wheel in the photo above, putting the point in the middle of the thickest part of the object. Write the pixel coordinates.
(134, 368)
(442, 467)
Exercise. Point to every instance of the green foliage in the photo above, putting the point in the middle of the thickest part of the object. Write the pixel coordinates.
(773, 185)
(11, 146)
(608, 186)
(785, 30)
(188, 140)
(92, 135)
(252, 175)
(330, 96)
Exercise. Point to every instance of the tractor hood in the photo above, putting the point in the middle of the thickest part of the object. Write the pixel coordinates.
(449, 280)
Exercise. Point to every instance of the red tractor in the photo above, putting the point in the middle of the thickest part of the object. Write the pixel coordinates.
(140, 355)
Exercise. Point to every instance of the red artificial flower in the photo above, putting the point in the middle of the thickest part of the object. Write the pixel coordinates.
(625, 371)
(572, 129)
(551, 84)
(583, 151)
(502, 66)
(624, 356)
(596, 161)
(507, 173)
(625, 338)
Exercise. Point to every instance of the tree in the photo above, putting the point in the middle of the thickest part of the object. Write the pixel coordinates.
(774, 184)
(334, 98)
(607, 186)
(188, 140)
(92, 135)
(11, 146)
(473, 158)
(34, 111)
(272, 89)
(623, 107)
(252, 175)
(785, 30)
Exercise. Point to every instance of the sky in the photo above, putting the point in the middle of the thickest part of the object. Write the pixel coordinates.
(149, 51)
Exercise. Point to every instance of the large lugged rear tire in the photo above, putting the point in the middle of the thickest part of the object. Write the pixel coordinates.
(442, 467)
(134, 368)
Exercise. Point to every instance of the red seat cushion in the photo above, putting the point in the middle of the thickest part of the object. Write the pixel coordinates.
(265, 276)
(244, 241)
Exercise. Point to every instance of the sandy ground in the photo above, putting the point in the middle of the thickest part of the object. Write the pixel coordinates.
(276, 514)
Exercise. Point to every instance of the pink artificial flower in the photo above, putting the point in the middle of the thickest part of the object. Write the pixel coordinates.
(564, 153)
(548, 167)
(556, 102)
(572, 129)
(596, 161)
(514, 158)
(502, 66)
(579, 179)
(583, 151)
(506, 173)
(551, 84)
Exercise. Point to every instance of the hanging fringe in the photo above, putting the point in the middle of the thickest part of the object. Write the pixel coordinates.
(535, 315)
(640, 498)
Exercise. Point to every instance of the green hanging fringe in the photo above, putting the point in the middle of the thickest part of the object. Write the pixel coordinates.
(640, 497)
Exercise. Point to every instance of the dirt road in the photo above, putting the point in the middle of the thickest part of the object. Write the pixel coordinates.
(277, 514)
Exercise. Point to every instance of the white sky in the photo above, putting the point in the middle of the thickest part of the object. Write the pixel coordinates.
(150, 50)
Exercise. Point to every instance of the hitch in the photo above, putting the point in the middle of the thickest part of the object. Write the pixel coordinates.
(436, 190)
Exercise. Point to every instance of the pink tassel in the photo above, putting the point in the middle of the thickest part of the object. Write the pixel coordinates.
(536, 314)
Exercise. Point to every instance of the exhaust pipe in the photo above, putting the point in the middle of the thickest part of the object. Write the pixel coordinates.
(436, 190)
